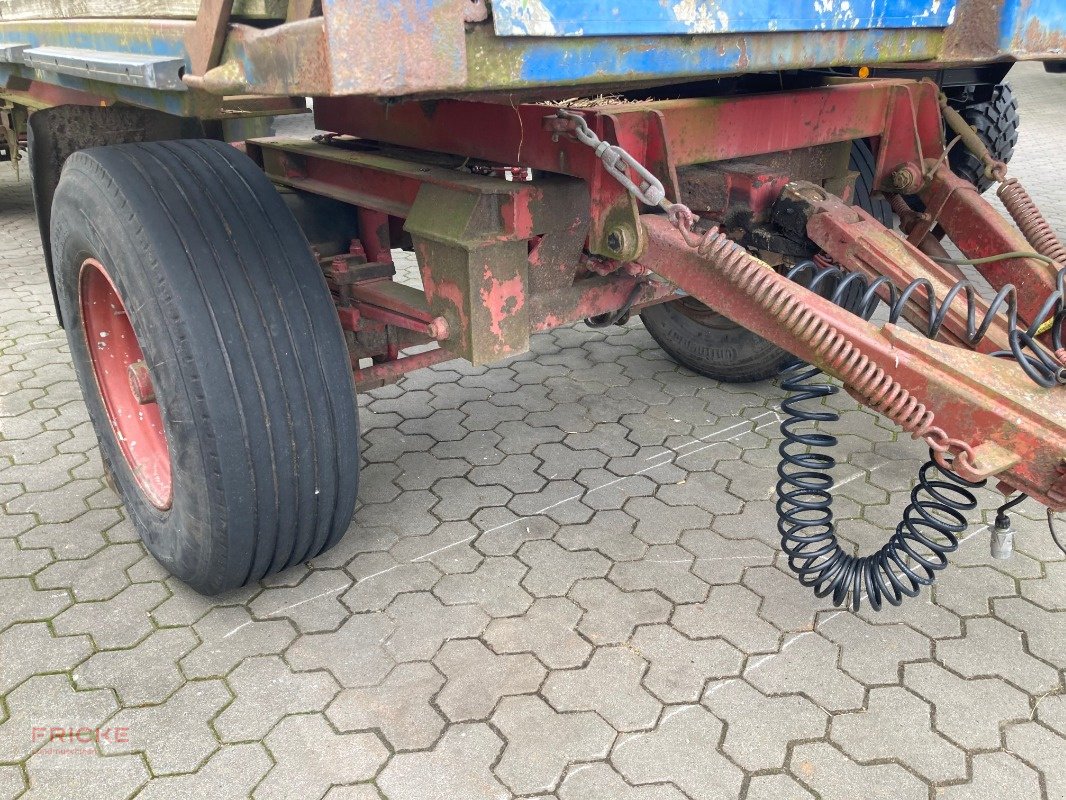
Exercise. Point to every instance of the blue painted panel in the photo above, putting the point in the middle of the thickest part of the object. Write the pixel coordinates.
(1033, 26)
(651, 17)
(549, 62)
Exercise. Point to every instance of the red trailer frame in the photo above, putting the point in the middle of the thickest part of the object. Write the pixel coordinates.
(502, 256)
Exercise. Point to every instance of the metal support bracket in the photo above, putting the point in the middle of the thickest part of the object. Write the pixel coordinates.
(204, 42)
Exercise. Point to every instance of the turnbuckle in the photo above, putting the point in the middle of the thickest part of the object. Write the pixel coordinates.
(618, 162)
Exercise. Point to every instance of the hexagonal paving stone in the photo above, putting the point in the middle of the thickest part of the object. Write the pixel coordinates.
(495, 586)
(969, 712)
(21, 601)
(422, 624)
(228, 635)
(121, 621)
(546, 630)
(608, 685)
(42, 709)
(541, 742)
(147, 673)
(904, 732)
(459, 765)
(229, 774)
(24, 648)
(761, 727)
(312, 606)
(98, 577)
(79, 775)
(379, 577)
(309, 757)
(832, 776)
(665, 568)
(682, 751)
(1040, 748)
(991, 648)
(175, 736)
(354, 654)
(873, 653)
(995, 775)
(477, 678)
(600, 782)
(265, 690)
(807, 663)
(553, 570)
(679, 668)
(400, 706)
(611, 614)
(730, 612)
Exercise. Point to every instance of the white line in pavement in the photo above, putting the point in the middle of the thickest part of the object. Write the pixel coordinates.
(730, 439)
(446, 547)
(967, 538)
(784, 647)
(712, 433)
(858, 475)
(673, 453)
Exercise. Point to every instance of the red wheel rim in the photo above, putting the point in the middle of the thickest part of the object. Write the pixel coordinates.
(126, 389)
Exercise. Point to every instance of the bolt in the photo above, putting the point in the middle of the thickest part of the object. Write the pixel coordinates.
(438, 328)
(616, 240)
(904, 178)
(140, 383)
(338, 266)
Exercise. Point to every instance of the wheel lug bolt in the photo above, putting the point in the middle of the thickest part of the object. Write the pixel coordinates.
(140, 382)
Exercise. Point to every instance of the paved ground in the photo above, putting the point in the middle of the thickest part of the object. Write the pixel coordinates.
(563, 582)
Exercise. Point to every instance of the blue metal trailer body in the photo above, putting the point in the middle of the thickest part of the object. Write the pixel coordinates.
(648, 17)
(523, 48)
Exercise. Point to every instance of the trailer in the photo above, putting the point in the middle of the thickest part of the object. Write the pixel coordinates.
(731, 172)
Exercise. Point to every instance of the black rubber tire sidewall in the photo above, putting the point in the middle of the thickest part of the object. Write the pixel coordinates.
(862, 162)
(257, 484)
(730, 353)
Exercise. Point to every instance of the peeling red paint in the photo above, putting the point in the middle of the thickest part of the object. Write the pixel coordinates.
(502, 299)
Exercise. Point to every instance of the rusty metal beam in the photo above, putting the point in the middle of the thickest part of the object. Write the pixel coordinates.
(858, 242)
(664, 134)
(1013, 428)
(978, 230)
(386, 372)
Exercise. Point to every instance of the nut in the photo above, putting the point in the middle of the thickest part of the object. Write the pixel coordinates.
(438, 328)
(616, 240)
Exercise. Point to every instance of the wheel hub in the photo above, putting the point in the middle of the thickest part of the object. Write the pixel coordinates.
(125, 385)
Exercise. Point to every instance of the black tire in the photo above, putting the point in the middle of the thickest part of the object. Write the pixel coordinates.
(714, 346)
(244, 352)
(863, 164)
(710, 344)
(996, 122)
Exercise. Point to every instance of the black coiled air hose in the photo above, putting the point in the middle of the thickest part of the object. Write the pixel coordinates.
(935, 515)
(912, 555)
